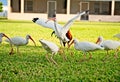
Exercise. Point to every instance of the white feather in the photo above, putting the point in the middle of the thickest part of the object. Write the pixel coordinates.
(49, 46)
(86, 46)
(109, 44)
(59, 30)
(66, 27)
(18, 41)
(49, 24)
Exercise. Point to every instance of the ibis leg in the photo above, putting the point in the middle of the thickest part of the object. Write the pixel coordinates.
(68, 43)
(51, 58)
(90, 55)
(116, 52)
(62, 53)
(84, 57)
(107, 55)
(11, 52)
(47, 57)
(18, 50)
(64, 57)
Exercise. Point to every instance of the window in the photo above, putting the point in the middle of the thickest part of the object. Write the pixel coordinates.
(117, 8)
(28, 5)
(100, 8)
(96, 7)
(105, 8)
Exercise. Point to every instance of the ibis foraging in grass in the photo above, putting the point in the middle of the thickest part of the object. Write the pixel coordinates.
(51, 48)
(60, 31)
(85, 47)
(19, 41)
(108, 45)
(117, 35)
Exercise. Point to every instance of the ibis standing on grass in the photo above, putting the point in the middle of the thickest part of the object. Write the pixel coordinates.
(51, 48)
(60, 31)
(19, 41)
(108, 45)
(85, 47)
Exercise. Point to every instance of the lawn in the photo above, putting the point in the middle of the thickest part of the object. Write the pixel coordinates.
(32, 66)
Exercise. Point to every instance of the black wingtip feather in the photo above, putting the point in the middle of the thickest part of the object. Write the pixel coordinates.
(35, 19)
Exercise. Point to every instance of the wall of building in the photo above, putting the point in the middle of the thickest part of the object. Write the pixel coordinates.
(63, 17)
(107, 18)
(30, 16)
(25, 16)
(41, 6)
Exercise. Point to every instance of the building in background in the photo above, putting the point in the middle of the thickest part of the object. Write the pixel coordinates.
(100, 10)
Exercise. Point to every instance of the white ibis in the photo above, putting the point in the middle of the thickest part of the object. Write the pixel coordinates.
(108, 44)
(85, 47)
(60, 31)
(52, 48)
(19, 41)
(117, 35)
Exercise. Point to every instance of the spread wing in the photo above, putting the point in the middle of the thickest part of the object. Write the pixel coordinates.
(66, 27)
(45, 24)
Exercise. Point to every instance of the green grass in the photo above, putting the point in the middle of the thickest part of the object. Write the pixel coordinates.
(32, 66)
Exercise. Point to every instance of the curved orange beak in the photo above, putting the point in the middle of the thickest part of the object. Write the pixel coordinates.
(70, 44)
(10, 43)
(32, 40)
(6, 37)
(98, 40)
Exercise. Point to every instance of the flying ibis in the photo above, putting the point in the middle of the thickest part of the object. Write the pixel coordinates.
(60, 31)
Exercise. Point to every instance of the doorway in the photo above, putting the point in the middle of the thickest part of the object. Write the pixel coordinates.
(51, 7)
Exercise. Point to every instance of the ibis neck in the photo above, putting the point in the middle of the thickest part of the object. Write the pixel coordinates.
(56, 29)
(100, 42)
(26, 41)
